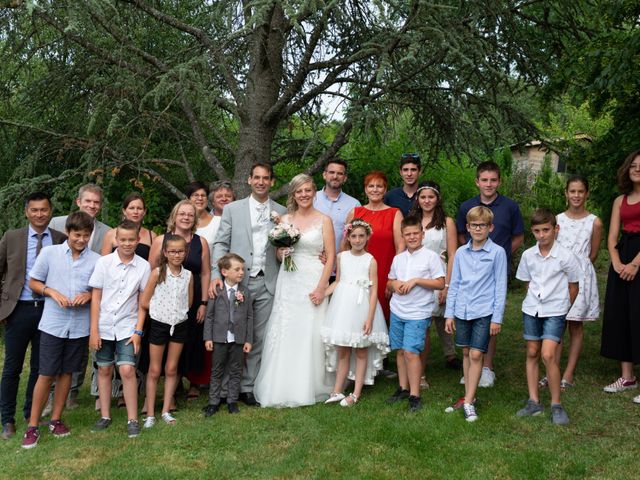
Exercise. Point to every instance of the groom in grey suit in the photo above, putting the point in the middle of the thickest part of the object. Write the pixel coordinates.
(243, 230)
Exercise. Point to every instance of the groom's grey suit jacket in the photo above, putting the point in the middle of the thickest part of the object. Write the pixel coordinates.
(235, 235)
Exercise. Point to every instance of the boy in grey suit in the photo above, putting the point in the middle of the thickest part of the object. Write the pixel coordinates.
(229, 326)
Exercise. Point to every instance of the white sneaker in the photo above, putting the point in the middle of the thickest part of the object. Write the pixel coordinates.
(636, 399)
(149, 422)
(488, 378)
(462, 380)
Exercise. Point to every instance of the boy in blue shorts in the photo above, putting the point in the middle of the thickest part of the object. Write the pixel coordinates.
(413, 276)
(61, 274)
(116, 323)
(475, 302)
(552, 273)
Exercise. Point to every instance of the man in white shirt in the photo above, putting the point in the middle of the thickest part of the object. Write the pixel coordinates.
(244, 228)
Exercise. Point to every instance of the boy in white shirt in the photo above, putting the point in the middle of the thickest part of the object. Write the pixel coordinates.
(116, 322)
(413, 276)
(552, 273)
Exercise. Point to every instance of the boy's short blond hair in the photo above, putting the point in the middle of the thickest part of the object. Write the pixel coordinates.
(480, 214)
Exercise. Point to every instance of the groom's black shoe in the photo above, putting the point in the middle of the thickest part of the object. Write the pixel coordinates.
(249, 399)
(233, 407)
(210, 410)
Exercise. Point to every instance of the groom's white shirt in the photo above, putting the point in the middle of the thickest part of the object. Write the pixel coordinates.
(259, 234)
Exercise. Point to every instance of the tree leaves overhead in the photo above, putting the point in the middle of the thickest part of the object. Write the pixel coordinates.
(192, 89)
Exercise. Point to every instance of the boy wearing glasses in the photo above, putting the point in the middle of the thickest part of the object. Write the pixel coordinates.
(475, 302)
(551, 273)
(508, 232)
(403, 197)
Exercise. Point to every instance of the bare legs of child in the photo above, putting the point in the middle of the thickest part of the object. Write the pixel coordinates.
(156, 353)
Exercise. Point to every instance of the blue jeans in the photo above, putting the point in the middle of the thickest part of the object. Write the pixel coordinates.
(474, 333)
(543, 328)
(21, 328)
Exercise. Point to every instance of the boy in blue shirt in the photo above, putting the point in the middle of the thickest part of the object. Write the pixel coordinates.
(61, 274)
(475, 302)
(508, 232)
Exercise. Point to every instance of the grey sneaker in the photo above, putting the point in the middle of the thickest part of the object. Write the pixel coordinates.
(470, 414)
(133, 428)
(559, 415)
(531, 409)
(101, 424)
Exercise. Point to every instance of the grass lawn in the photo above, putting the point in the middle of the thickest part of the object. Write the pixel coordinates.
(370, 440)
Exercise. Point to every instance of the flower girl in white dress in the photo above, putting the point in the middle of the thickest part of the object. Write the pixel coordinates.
(354, 321)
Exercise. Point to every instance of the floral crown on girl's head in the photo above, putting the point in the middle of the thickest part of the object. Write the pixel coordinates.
(357, 222)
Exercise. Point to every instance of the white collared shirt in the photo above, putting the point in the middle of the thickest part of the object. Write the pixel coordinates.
(260, 234)
(231, 338)
(121, 284)
(418, 303)
(170, 301)
(549, 278)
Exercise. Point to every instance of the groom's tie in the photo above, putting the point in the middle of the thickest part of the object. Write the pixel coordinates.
(232, 307)
(262, 213)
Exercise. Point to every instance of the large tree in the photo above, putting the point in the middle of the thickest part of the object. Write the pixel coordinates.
(180, 89)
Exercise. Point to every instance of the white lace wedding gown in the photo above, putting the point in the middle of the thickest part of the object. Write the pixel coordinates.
(292, 371)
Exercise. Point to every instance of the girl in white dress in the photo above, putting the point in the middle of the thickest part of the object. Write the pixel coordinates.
(167, 297)
(581, 232)
(354, 321)
(292, 371)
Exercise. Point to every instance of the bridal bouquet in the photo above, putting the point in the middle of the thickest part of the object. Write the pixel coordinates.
(285, 235)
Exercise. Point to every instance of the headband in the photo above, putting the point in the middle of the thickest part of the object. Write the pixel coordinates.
(428, 187)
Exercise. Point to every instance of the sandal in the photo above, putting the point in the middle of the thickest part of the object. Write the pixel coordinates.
(564, 384)
(349, 400)
(543, 383)
(334, 398)
(168, 418)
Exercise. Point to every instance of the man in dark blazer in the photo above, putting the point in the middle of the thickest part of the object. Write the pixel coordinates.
(21, 308)
(229, 326)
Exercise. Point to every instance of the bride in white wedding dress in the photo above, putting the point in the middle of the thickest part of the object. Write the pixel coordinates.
(292, 371)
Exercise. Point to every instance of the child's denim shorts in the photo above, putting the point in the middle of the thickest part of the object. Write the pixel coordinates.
(543, 328)
(473, 333)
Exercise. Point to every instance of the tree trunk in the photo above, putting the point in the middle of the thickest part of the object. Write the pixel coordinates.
(263, 88)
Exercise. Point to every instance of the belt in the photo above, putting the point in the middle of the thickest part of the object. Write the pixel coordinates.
(36, 303)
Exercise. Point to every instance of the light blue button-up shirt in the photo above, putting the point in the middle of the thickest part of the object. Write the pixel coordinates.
(56, 267)
(32, 243)
(337, 210)
(478, 285)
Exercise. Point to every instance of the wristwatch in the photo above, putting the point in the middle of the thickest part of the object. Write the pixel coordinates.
(138, 332)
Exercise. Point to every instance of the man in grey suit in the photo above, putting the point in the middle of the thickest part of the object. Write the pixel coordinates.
(89, 201)
(243, 230)
(21, 308)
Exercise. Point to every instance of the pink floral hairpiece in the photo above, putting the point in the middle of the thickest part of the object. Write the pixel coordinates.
(357, 223)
